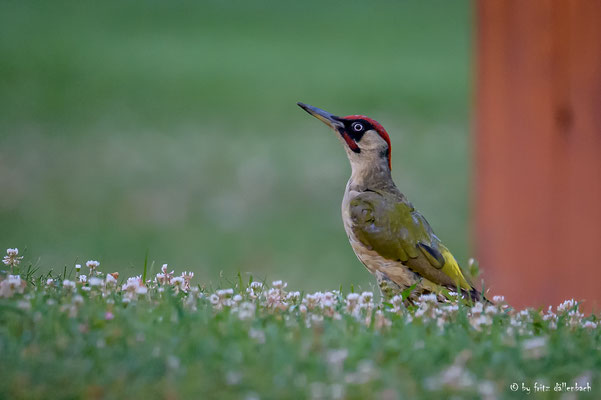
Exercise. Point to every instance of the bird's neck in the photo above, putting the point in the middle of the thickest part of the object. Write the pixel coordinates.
(371, 176)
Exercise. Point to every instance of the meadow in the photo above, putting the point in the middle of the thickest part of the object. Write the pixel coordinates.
(178, 216)
(86, 333)
(172, 128)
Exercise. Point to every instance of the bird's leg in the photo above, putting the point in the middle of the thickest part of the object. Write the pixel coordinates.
(388, 287)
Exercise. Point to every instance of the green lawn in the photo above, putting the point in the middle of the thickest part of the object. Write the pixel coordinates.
(169, 131)
(172, 127)
(169, 337)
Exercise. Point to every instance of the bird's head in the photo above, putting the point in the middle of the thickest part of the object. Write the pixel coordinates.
(366, 142)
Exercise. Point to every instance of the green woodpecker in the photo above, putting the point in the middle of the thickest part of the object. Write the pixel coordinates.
(390, 237)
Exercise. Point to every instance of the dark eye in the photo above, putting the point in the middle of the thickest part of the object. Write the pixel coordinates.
(357, 127)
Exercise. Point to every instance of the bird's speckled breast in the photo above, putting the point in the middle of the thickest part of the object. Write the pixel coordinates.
(375, 263)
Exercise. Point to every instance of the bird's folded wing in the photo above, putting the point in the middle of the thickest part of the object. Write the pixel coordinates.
(394, 230)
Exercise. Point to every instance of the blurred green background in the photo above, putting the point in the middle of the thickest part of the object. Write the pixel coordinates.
(172, 127)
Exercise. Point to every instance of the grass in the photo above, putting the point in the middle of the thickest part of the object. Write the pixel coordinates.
(173, 126)
(177, 338)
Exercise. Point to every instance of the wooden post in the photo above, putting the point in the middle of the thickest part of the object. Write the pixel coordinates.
(538, 150)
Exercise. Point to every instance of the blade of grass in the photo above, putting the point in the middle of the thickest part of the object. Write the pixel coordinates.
(145, 266)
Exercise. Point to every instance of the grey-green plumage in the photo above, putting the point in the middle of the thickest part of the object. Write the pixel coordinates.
(388, 224)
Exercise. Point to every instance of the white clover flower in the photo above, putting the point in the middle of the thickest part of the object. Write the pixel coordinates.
(396, 299)
(177, 282)
(366, 303)
(214, 299)
(397, 304)
(164, 269)
(481, 320)
(477, 308)
(535, 347)
(329, 310)
(92, 265)
(516, 322)
(279, 285)
(187, 276)
(82, 278)
(12, 258)
(451, 308)
(133, 286)
(380, 320)
(141, 290)
(566, 306)
(575, 317)
(316, 318)
(11, 285)
(68, 284)
(498, 299)
(77, 299)
(274, 299)
(256, 285)
(190, 301)
(352, 302)
(94, 281)
(160, 279)
(237, 298)
(366, 297)
(110, 279)
(420, 312)
(329, 297)
(589, 325)
(312, 300)
(550, 315)
(428, 307)
(427, 298)
(222, 298)
(223, 293)
(491, 310)
(254, 289)
(50, 282)
(293, 296)
(273, 293)
(246, 311)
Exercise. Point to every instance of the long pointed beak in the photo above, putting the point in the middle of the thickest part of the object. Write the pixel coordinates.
(329, 119)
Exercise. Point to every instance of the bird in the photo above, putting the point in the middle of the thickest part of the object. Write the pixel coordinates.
(389, 236)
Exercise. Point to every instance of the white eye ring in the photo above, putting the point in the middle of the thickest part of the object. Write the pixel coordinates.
(357, 127)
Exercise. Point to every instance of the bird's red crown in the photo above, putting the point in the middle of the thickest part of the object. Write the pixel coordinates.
(379, 129)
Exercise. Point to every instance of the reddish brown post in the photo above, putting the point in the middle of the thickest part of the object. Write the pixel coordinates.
(538, 150)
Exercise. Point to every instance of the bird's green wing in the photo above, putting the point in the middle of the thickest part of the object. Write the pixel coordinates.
(396, 231)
